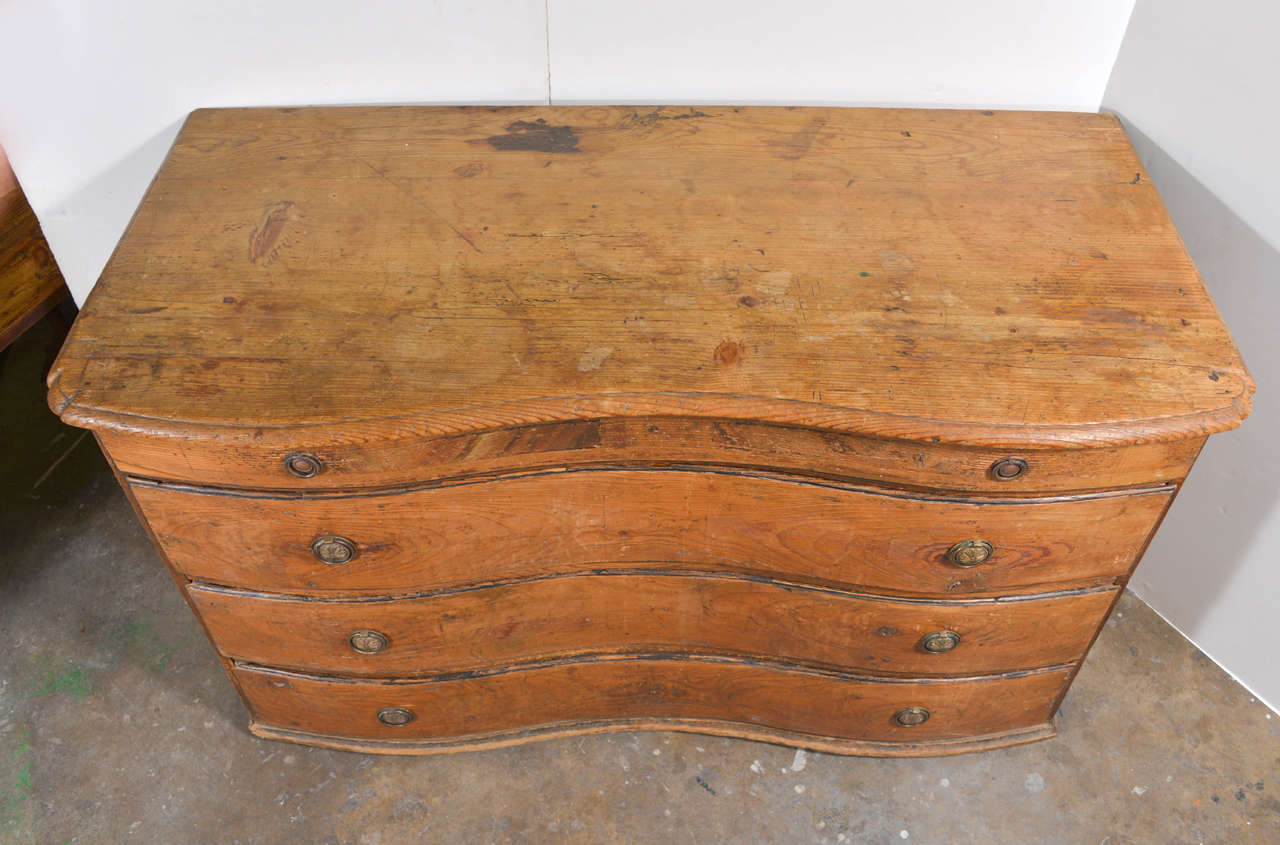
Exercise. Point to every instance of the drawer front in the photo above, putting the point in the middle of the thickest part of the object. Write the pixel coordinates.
(559, 523)
(559, 617)
(750, 695)
(363, 458)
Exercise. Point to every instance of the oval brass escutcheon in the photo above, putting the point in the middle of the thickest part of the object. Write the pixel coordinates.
(1007, 469)
(909, 717)
(395, 716)
(368, 642)
(302, 465)
(968, 553)
(939, 642)
(332, 550)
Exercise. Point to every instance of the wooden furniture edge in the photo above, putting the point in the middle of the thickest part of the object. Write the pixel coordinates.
(784, 413)
(178, 578)
(848, 485)
(1122, 584)
(657, 570)
(733, 730)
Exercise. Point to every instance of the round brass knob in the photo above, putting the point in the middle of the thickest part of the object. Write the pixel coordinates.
(395, 717)
(334, 551)
(1007, 469)
(968, 553)
(302, 465)
(368, 642)
(909, 717)
(940, 641)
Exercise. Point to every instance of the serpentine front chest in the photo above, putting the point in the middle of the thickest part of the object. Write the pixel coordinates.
(842, 428)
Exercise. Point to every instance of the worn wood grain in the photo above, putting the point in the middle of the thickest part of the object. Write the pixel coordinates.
(970, 277)
(668, 612)
(754, 695)
(558, 523)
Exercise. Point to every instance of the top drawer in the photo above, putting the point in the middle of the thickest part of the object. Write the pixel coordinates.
(352, 458)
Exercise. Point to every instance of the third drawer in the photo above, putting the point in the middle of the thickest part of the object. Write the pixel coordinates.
(573, 616)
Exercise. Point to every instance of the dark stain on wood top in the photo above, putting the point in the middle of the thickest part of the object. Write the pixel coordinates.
(536, 136)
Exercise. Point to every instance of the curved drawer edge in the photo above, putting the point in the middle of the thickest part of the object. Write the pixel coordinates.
(732, 730)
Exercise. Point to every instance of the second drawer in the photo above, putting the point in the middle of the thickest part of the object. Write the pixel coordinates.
(559, 523)
(570, 616)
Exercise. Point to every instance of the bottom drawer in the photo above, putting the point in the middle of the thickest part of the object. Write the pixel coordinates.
(740, 698)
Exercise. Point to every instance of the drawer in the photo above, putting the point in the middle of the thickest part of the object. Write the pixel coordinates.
(559, 523)
(559, 617)
(366, 457)
(736, 698)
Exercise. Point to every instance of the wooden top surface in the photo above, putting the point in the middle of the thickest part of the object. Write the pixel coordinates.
(972, 277)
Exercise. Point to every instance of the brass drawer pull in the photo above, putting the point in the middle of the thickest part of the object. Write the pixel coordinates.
(909, 717)
(968, 553)
(1007, 469)
(940, 642)
(302, 465)
(332, 550)
(368, 642)
(395, 717)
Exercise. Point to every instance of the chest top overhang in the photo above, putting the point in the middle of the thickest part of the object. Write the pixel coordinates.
(960, 276)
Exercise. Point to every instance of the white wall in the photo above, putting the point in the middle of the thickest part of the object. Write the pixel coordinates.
(1051, 54)
(1196, 86)
(1203, 82)
(105, 85)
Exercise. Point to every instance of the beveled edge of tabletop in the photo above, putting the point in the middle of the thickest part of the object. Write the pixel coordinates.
(787, 413)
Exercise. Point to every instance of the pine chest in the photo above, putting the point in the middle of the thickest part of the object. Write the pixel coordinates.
(841, 428)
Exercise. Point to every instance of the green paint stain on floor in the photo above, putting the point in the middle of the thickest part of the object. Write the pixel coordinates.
(19, 789)
(864, 274)
(48, 673)
(72, 679)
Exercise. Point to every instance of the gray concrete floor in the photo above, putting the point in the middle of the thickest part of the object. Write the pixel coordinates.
(117, 725)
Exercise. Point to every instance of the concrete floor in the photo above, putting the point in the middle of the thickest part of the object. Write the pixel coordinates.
(117, 725)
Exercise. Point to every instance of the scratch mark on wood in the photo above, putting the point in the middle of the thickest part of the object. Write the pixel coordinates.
(424, 206)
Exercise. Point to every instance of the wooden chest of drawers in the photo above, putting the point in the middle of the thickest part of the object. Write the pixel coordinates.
(463, 427)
